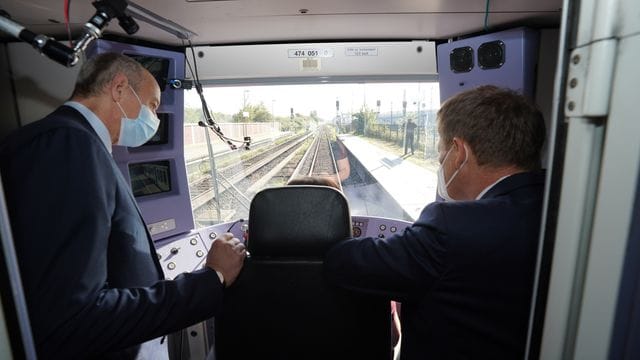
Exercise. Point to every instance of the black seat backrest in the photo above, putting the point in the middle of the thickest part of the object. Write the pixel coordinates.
(280, 307)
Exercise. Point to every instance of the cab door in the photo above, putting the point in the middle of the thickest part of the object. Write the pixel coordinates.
(594, 272)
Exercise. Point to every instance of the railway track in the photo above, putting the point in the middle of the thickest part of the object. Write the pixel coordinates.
(238, 182)
(203, 183)
(319, 159)
(235, 183)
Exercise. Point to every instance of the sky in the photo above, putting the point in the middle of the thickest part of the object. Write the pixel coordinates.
(320, 97)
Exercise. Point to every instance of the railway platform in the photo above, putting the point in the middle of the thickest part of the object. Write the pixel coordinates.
(412, 186)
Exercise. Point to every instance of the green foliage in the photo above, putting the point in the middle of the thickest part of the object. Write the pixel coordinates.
(314, 116)
(194, 115)
(256, 113)
(299, 122)
(363, 120)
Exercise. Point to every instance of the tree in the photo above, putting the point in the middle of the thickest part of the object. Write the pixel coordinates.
(256, 113)
(194, 115)
(363, 120)
(314, 116)
(298, 123)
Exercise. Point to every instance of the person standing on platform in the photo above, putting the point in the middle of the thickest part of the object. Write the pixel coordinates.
(464, 270)
(410, 128)
(92, 280)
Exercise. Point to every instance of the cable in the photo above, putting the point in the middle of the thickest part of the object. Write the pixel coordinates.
(209, 121)
(193, 75)
(486, 16)
(234, 224)
(67, 5)
(198, 84)
(195, 63)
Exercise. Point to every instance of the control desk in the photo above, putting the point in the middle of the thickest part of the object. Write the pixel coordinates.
(188, 252)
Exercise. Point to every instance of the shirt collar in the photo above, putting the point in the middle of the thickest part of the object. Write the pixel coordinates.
(490, 186)
(93, 120)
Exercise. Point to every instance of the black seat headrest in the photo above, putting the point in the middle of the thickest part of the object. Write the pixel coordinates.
(297, 221)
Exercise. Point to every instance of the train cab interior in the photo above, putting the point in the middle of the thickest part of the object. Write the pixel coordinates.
(255, 94)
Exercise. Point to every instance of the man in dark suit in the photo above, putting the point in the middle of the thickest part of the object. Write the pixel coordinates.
(464, 270)
(92, 280)
(410, 129)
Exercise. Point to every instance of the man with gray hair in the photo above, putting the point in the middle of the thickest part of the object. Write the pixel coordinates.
(464, 270)
(92, 280)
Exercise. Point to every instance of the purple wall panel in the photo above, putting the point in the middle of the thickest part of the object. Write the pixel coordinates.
(517, 72)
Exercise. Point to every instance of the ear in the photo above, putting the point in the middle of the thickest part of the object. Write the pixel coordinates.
(118, 86)
(460, 148)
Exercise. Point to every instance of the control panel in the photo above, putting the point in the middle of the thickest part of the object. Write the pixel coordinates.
(371, 226)
(188, 252)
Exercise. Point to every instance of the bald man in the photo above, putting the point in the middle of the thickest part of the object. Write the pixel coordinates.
(91, 277)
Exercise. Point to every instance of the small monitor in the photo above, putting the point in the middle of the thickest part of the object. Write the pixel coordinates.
(149, 178)
(161, 137)
(157, 66)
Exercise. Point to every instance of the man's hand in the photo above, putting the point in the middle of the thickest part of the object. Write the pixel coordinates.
(226, 256)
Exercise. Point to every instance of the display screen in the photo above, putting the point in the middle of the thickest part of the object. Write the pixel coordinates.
(161, 137)
(158, 67)
(150, 178)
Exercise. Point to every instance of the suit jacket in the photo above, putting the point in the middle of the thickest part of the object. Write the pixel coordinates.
(463, 272)
(92, 280)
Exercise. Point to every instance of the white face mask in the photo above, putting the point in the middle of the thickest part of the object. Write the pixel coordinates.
(442, 184)
(135, 132)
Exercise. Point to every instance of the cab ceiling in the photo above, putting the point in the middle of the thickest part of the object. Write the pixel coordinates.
(258, 21)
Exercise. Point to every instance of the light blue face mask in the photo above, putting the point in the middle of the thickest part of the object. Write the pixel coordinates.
(135, 132)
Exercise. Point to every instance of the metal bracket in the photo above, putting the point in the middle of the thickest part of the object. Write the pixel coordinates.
(197, 340)
(591, 69)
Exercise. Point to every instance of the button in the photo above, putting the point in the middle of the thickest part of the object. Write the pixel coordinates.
(171, 266)
(212, 235)
(393, 229)
(193, 241)
(199, 253)
(174, 250)
(381, 236)
(357, 231)
(383, 227)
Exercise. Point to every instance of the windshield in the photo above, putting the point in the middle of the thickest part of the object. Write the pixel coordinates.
(270, 136)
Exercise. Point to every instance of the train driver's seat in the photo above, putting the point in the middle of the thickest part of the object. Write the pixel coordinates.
(280, 307)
